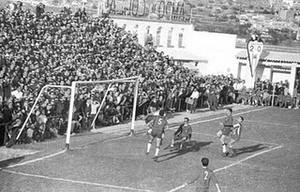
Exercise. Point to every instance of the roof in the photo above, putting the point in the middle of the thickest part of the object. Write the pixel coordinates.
(182, 55)
(191, 66)
(274, 56)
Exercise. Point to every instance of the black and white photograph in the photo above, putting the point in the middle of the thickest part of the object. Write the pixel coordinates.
(149, 95)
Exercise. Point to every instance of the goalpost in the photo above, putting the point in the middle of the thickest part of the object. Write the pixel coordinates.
(134, 80)
(35, 103)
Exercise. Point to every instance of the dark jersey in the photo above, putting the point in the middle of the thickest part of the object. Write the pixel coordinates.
(183, 130)
(159, 123)
(228, 122)
(204, 180)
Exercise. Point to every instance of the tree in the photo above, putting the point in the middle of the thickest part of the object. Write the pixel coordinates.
(275, 40)
(229, 30)
(244, 29)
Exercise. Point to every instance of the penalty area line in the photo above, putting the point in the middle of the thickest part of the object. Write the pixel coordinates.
(247, 158)
(76, 182)
(231, 165)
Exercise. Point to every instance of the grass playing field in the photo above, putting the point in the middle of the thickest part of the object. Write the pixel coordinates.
(267, 159)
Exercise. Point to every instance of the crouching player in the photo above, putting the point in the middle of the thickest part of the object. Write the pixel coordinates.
(225, 131)
(183, 133)
(235, 135)
(159, 125)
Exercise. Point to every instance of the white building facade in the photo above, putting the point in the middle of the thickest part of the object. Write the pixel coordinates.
(212, 53)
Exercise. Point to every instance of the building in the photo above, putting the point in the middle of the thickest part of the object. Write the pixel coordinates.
(287, 15)
(275, 64)
(214, 53)
(179, 40)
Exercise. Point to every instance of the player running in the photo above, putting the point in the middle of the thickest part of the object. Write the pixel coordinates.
(205, 177)
(159, 124)
(224, 132)
(235, 135)
(183, 133)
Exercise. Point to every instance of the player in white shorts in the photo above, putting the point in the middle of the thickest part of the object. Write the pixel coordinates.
(235, 135)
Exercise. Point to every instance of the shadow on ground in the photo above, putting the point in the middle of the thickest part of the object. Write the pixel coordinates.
(249, 149)
(191, 146)
(8, 162)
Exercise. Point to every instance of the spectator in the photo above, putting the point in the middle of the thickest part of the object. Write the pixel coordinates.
(194, 97)
(17, 94)
(40, 9)
(46, 48)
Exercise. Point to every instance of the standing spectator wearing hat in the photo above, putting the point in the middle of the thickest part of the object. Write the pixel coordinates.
(194, 97)
(6, 88)
(1, 91)
(212, 97)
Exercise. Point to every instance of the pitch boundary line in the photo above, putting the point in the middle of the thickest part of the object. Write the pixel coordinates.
(76, 182)
(38, 159)
(249, 157)
(218, 118)
(97, 184)
(68, 180)
(233, 164)
(253, 141)
(54, 154)
(276, 124)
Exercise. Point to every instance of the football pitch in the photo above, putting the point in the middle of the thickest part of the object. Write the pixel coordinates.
(267, 159)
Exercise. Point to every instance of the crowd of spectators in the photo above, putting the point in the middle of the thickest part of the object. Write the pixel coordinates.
(41, 48)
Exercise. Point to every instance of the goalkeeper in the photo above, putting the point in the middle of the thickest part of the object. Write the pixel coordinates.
(183, 133)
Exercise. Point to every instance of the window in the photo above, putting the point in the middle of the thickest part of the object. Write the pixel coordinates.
(180, 39)
(135, 30)
(169, 43)
(158, 33)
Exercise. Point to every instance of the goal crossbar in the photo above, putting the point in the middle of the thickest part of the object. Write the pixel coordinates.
(134, 79)
(128, 79)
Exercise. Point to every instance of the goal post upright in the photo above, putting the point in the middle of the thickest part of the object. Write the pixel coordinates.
(134, 106)
(72, 99)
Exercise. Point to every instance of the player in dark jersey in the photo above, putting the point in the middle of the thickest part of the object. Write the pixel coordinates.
(224, 132)
(159, 124)
(183, 133)
(205, 177)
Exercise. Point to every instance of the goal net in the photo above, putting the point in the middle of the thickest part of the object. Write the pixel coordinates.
(83, 106)
(107, 102)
